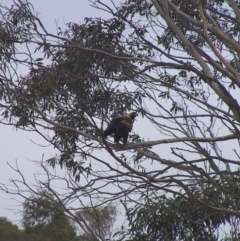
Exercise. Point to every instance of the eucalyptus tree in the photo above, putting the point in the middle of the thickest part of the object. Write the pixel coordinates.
(174, 62)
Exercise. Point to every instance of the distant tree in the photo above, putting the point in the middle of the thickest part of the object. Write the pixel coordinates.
(100, 220)
(43, 219)
(9, 231)
(39, 210)
(175, 62)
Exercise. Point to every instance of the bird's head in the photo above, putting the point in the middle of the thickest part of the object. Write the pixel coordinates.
(133, 115)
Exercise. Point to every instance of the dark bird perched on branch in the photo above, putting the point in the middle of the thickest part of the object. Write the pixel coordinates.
(120, 127)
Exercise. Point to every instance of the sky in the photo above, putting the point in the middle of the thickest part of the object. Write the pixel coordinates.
(19, 145)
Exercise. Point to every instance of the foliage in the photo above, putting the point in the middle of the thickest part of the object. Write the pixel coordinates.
(177, 64)
(43, 217)
(100, 219)
(39, 210)
(84, 237)
(44, 220)
(10, 231)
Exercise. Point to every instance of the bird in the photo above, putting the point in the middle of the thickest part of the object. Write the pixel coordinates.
(120, 127)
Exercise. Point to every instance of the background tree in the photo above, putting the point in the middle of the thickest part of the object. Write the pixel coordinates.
(100, 220)
(177, 64)
(9, 231)
(44, 220)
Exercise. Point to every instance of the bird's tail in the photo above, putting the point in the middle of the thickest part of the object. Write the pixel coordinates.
(107, 132)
